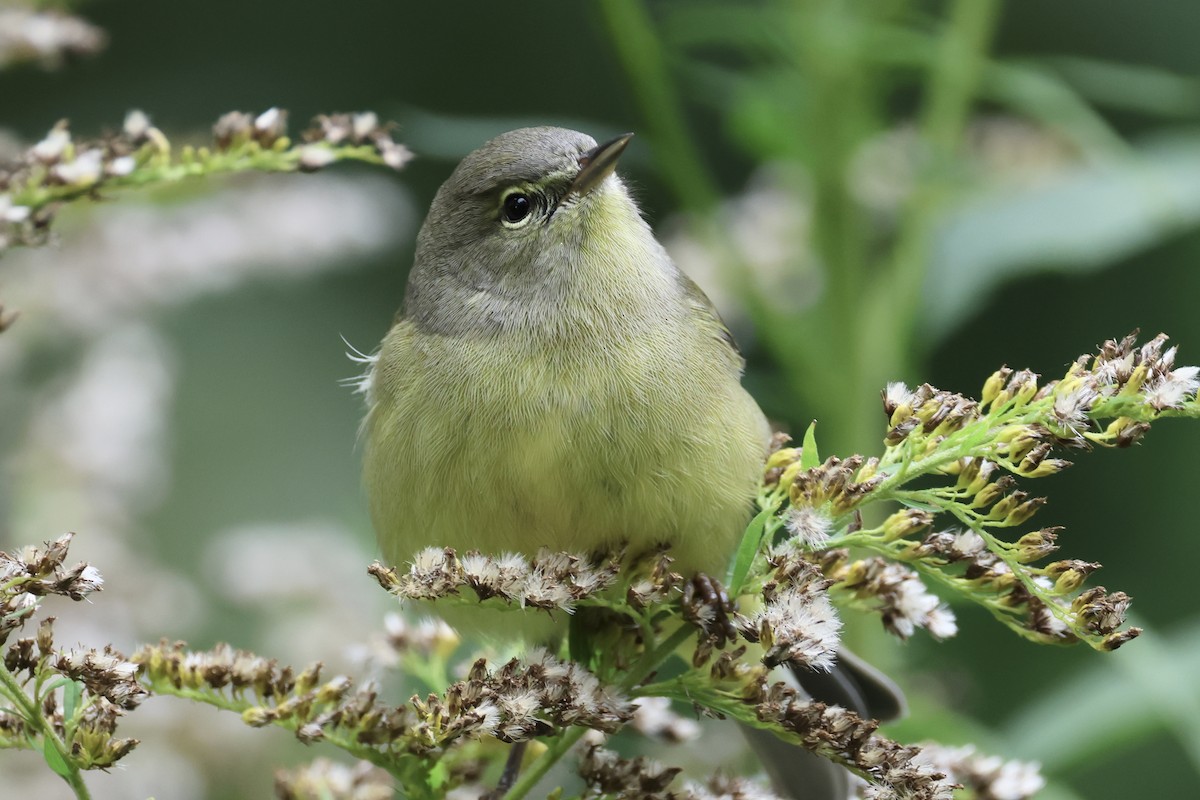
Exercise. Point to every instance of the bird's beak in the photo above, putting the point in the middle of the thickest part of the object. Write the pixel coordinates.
(597, 164)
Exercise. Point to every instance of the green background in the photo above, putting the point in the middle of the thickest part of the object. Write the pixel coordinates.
(261, 432)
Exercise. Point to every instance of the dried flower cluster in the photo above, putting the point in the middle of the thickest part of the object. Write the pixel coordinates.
(609, 775)
(47, 36)
(794, 565)
(836, 485)
(894, 590)
(521, 700)
(797, 621)
(512, 703)
(65, 705)
(59, 170)
(546, 581)
(424, 637)
(105, 673)
(976, 451)
(650, 581)
(362, 128)
(323, 779)
(894, 770)
(984, 777)
(85, 725)
(653, 717)
(612, 777)
(35, 572)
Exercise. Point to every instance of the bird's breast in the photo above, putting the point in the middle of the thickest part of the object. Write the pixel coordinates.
(504, 445)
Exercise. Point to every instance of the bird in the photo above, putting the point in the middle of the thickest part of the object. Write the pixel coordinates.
(554, 380)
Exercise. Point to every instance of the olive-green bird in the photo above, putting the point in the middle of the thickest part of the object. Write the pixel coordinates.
(554, 380)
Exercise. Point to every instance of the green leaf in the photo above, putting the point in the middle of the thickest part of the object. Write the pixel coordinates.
(580, 643)
(439, 775)
(72, 692)
(1119, 701)
(1043, 97)
(1087, 218)
(1131, 87)
(748, 549)
(809, 457)
(54, 759)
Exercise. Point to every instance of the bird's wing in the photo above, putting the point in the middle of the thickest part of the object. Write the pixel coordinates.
(710, 318)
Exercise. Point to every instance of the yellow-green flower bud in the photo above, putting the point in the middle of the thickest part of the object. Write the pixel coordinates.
(1115, 640)
(1005, 505)
(45, 636)
(334, 690)
(991, 492)
(1037, 545)
(307, 680)
(868, 471)
(902, 412)
(783, 457)
(1050, 466)
(1024, 445)
(956, 467)
(257, 716)
(977, 476)
(906, 522)
(993, 385)
(1069, 581)
(788, 478)
(1026, 389)
(1000, 583)
(1125, 431)
(1024, 511)
(1137, 379)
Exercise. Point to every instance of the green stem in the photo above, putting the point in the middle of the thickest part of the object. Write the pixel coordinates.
(640, 52)
(560, 745)
(953, 80)
(956, 69)
(554, 751)
(30, 709)
(384, 760)
(643, 57)
(190, 164)
(678, 160)
(651, 661)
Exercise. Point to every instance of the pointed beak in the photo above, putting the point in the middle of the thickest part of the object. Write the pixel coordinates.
(597, 164)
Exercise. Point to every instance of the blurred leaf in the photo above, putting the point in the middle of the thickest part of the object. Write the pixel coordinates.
(1084, 220)
(1126, 697)
(742, 30)
(1132, 87)
(1033, 91)
(930, 719)
(770, 115)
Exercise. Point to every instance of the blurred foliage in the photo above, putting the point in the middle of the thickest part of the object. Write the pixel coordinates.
(886, 190)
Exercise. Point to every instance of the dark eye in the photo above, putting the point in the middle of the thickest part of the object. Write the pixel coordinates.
(516, 207)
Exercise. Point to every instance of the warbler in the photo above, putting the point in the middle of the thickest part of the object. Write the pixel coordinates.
(554, 380)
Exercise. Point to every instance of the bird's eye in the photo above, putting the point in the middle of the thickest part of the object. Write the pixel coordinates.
(516, 207)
